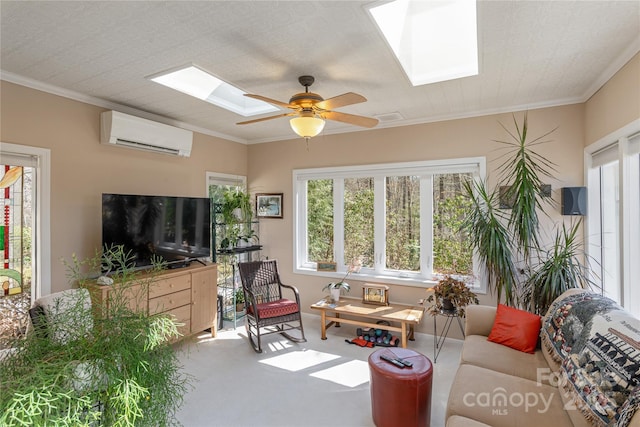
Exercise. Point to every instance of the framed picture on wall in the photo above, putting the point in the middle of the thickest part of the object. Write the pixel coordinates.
(269, 205)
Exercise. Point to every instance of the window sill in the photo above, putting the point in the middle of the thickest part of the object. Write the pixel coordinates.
(359, 277)
(378, 279)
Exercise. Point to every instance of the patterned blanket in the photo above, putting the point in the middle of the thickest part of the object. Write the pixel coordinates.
(598, 346)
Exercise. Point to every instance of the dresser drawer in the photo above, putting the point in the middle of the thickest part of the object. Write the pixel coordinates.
(170, 301)
(169, 285)
(182, 315)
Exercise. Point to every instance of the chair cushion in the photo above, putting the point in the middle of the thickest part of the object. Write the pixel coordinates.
(277, 308)
(515, 328)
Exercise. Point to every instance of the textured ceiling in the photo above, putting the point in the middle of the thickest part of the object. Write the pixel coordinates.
(532, 54)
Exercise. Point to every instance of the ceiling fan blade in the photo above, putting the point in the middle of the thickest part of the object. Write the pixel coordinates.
(348, 98)
(271, 101)
(352, 119)
(266, 118)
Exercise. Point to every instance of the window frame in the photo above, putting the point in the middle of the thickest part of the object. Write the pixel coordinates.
(623, 145)
(41, 256)
(425, 170)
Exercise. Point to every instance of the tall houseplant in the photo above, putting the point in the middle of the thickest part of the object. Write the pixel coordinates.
(120, 372)
(520, 271)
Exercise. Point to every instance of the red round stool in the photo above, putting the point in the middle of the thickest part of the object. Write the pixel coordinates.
(400, 396)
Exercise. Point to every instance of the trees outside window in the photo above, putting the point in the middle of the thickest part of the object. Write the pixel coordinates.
(400, 221)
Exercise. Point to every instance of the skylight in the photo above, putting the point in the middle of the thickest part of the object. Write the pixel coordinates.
(434, 41)
(196, 82)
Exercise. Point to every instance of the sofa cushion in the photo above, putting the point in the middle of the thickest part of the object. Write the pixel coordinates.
(480, 319)
(502, 400)
(515, 328)
(486, 354)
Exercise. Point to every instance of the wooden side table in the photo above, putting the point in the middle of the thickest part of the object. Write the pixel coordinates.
(438, 341)
(353, 312)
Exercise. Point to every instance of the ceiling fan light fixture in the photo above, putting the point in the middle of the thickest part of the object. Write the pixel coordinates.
(307, 126)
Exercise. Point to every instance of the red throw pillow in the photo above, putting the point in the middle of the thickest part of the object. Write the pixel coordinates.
(515, 328)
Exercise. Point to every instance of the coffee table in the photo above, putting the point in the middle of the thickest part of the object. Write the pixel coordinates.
(353, 311)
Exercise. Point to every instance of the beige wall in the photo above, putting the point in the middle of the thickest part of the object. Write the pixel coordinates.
(82, 169)
(616, 104)
(271, 165)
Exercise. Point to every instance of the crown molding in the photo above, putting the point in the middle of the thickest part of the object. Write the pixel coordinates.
(99, 102)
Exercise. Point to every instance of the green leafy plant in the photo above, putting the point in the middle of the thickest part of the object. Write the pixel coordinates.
(233, 199)
(557, 272)
(239, 296)
(520, 271)
(250, 236)
(451, 289)
(491, 239)
(343, 286)
(117, 370)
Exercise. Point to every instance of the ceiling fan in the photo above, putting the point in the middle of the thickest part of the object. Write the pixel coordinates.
(311, 110)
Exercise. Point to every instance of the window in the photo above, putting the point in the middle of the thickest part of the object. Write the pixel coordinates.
(613, 220)
(400, 221)
(24, 234)
(218, 183)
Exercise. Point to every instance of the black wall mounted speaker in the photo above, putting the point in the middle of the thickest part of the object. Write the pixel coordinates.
(574, 200)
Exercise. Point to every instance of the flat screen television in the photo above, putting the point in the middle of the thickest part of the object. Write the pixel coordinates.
(178, 229)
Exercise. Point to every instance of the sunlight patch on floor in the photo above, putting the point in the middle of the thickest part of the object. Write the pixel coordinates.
(350, 374)
(298, 360)
(223, 334)
(280, 345)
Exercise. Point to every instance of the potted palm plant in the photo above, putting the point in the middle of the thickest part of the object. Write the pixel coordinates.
(450, 294)
(520, 270)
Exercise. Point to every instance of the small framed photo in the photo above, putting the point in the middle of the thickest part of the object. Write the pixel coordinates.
(269, 205)
(375, 294)
(326, 266)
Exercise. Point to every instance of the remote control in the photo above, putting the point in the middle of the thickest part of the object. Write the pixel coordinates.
(405, 363)
(393, 361)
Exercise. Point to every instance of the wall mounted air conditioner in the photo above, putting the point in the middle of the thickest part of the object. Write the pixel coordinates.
(142, 134)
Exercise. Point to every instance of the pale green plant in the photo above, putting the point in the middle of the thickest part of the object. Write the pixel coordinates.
(121, 372)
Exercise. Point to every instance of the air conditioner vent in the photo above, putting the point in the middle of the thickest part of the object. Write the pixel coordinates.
(134, 132)
(389, 117)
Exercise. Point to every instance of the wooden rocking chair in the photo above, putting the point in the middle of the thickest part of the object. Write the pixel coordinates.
(268, 312)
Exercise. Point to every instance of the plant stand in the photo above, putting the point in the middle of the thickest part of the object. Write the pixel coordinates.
(228, 254)
(438, 340)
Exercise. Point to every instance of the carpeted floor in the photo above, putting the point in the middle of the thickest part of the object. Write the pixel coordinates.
(317, 383)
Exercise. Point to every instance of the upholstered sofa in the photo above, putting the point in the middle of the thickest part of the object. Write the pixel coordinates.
(584, 371)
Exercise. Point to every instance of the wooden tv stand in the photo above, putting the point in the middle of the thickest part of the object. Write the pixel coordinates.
(189, 294)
